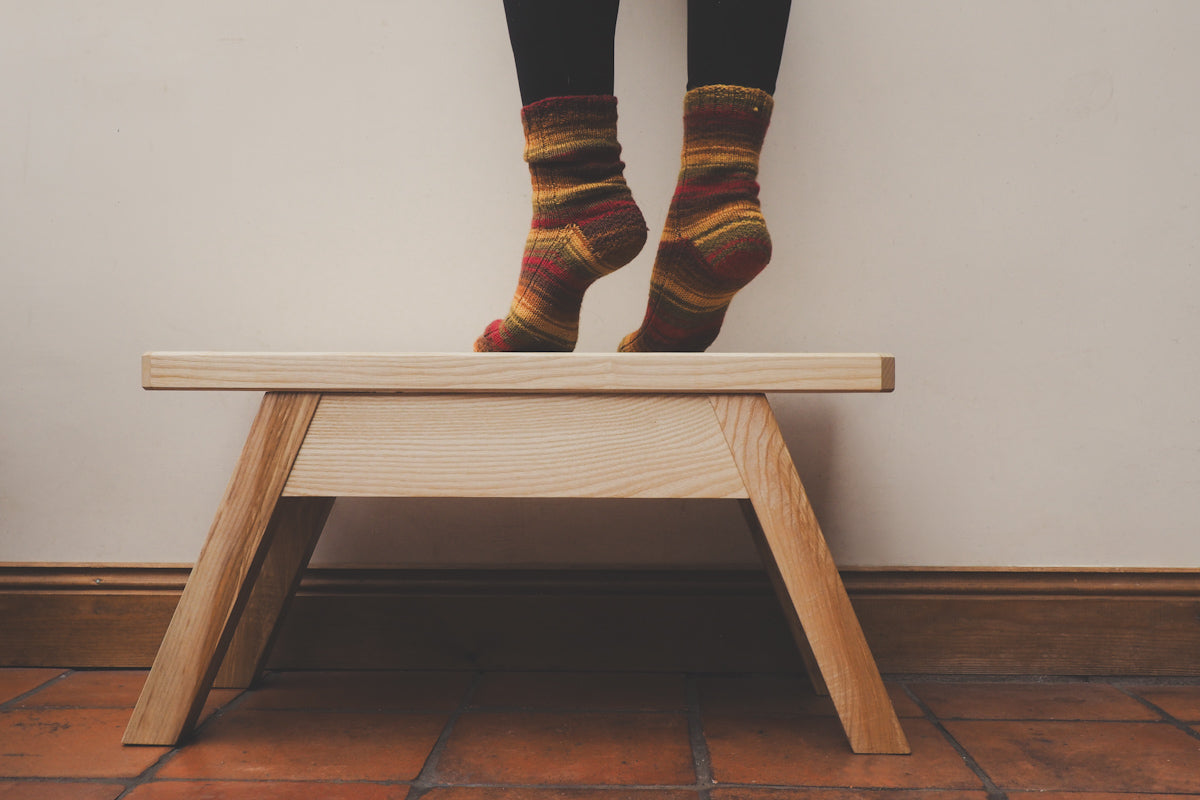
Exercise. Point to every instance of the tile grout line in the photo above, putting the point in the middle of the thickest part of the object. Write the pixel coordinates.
(383, 712)
(588, 787)
(151, 772)
(987, 677)
(570, 709)
(427, 778)
(701, 759)
(1167, 717)
(9, 705)
(993, 791)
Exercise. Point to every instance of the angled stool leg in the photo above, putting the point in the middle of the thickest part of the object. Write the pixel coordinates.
(294, 530)
(809, 575)
(810, 661)
(223, 577)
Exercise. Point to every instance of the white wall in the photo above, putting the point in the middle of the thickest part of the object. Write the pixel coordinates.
(1004, 194)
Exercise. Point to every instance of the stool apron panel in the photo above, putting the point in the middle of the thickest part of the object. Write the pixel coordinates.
(497, 445)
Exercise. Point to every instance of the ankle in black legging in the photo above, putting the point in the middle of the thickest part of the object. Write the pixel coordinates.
(565, 48)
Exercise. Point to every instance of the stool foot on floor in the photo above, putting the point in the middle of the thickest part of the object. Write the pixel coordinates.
(804, 566)
(221, 582)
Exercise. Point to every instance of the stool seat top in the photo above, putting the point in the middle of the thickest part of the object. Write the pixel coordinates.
(547, 373)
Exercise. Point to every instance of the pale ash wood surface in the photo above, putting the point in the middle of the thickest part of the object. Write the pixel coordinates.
(515, 446)
(697, 373)
(811, 668)
(805, 568)
(294, 530)
(225, 572)
(610, 426)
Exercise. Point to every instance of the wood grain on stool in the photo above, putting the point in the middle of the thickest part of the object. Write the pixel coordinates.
(296, 526)
(665, 425)
(568, 445)
(220, 584)
(620, 373)
(806, 569)
(811, 667)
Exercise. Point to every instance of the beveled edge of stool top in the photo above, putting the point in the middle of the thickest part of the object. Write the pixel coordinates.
(610, 373)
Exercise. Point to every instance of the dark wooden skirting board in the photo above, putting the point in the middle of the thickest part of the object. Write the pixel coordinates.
(969, 622)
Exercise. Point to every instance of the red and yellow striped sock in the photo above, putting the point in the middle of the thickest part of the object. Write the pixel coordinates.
(715, 240)
(585, 223)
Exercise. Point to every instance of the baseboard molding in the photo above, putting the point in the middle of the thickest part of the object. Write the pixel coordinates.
(970, 622)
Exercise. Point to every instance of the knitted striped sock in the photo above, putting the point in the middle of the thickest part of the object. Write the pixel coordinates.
(715, 240)
(585, 223)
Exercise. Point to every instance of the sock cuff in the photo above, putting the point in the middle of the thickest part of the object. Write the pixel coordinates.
(738, 100)
(576, 127)
(726, 116)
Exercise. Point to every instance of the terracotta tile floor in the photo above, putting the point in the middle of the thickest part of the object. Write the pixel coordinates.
(597, 736)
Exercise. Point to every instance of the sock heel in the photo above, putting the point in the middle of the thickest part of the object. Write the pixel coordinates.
(716, 239)
(620, 239)
(585, 222)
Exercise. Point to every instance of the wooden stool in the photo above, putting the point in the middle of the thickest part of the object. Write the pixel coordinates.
(501, 425)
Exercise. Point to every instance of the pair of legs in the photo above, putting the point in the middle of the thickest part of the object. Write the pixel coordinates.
(585, 222)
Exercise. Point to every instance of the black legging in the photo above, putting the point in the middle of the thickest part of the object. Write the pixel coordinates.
(565, 47)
